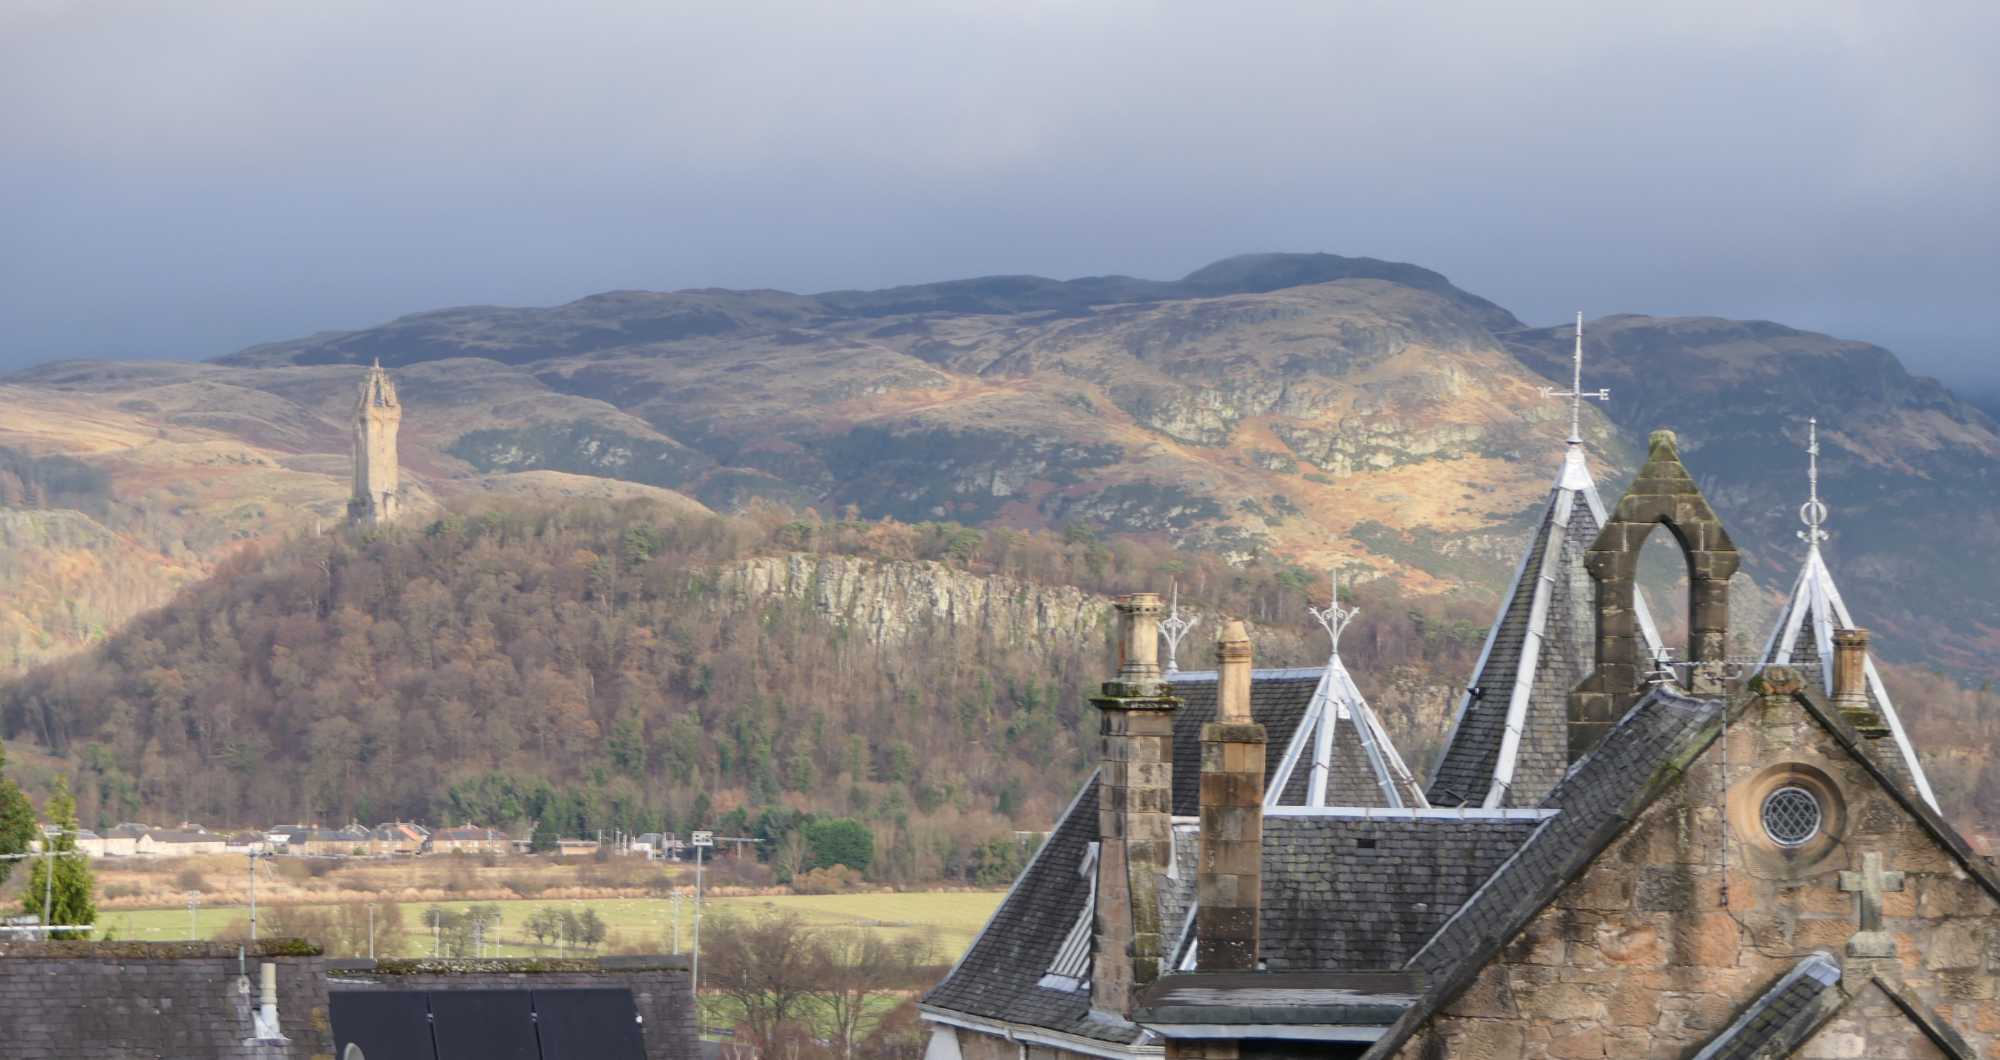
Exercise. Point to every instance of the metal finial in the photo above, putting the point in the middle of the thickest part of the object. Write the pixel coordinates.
(1576, 393)
(1174, 627)
(1333, 618)
(1813, 511)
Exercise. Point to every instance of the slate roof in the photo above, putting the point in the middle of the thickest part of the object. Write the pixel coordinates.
(1784, 1016)
(1279, 700)
(1355, 893)
(1000, 976)
(1539, 648)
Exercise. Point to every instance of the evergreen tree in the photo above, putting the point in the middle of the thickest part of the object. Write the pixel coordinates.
(72, 897)
(17, 821)
(543, 840)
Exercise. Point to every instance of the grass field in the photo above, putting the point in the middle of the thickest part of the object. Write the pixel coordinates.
(647, 923)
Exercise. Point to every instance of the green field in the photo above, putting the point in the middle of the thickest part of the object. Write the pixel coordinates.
(954, 917)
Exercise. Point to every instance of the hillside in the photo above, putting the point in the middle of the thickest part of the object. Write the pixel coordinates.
(641, 666)
(1311, 408)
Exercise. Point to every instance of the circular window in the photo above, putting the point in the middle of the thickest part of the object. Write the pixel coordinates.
(1791, 816)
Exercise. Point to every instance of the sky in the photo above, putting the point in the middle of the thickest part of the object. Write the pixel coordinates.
(185, 179)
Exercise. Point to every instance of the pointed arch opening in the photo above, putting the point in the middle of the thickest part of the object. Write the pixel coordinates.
(1663, 578)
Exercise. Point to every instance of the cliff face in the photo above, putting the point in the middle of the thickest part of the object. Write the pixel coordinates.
(889, 602)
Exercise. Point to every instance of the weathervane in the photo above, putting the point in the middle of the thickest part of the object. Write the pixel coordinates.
(1174, 628)
(1576, 393)
(1334, 618)
(1812, 512)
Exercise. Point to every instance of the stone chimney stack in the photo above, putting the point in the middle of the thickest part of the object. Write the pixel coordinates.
(1850, 683)
(1229, 879)
(1135, 808)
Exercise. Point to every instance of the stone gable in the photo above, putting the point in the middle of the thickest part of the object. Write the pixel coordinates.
(1693, 913)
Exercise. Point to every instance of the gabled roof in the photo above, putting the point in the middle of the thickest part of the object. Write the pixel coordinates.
(1508, 744)
(1804, 638)
(1641, 756)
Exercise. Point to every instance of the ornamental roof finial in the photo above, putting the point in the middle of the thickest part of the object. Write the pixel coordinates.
(1813, 511)
(1576, 393)
(1333, 618)
(1174, 627)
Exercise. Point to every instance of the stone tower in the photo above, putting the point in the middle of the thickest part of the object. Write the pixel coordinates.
(376, 486)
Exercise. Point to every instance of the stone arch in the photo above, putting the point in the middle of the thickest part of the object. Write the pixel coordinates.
(1663, 494)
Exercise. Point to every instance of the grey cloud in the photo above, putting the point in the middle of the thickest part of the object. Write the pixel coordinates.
(185, 179)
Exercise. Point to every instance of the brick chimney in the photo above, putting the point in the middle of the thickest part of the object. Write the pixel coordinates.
(1850, 683)
(1229, 879)
(1135, 808)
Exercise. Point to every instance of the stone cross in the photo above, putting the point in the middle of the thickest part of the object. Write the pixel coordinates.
(1868, 885)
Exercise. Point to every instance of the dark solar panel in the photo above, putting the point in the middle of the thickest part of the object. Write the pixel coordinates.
(589, 1024)
(482, 1025)
(385, 1024)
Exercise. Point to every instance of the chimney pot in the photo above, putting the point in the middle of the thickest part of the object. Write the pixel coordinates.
(1139, 640)
(1229, 879)
(1850, 683)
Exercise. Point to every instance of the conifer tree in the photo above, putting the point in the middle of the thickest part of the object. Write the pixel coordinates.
(543, 839)
(17, 821)
(73, 896)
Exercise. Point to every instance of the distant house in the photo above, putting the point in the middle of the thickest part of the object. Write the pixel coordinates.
(251, 842)
(575, 848)
(470, 839)
(90, 843)
(647, 843)
(397, 837)
(122, 840)
(181, 843)
(288, 838)
(353, 839)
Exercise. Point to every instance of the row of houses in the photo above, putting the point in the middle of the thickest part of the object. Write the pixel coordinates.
(392, 838)
(130, 839)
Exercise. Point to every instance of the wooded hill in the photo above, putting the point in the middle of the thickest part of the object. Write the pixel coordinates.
(621, 665)
(614, 666)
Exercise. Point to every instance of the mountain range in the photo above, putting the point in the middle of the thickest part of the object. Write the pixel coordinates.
(1313, 409)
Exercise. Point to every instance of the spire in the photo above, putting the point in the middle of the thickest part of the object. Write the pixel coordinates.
(1813, 511)
(1333, 618)
(1174, 628)
(1508, 744)
(1805, 636)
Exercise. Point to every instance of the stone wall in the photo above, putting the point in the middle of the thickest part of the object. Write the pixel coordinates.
(1692, 914)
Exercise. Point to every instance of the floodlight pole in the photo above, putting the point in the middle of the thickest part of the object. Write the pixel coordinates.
(371, 931)
(49, 882)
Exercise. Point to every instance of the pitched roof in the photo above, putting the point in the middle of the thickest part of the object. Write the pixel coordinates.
(1002, 976)
(1638, 759)
(1339, 754)
(1279, 701)
(1803, 638)
(1784, 1017)
(1508, 744)
(1357, 892)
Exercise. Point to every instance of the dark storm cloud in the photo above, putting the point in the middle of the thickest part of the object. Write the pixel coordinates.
(185, 179)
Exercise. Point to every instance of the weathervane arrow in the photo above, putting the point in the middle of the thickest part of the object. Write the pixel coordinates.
(1576, 393)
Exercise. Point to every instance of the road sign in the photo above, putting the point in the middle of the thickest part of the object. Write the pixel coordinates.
(701, 839)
